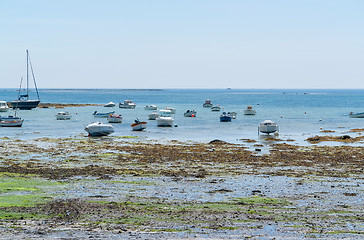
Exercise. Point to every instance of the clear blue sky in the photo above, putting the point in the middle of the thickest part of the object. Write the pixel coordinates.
(184, 44)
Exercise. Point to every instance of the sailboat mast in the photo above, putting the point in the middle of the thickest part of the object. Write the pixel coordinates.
(27, 74)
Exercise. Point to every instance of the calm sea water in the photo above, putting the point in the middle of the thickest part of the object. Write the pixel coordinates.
(299, 113)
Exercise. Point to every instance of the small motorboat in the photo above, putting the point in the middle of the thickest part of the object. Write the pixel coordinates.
(216, 108)
(102, 115)
(151, 107)
(4, 106)
(128, 104)
(268, 127)
(153, 116)
(110, 104)
(138, 125)
(173, 110)
(232, 115)
(114, 118)
(207, 103)
(165, 119)
(63, 116)
(249, 110)
(356, 115)
(11, 121)
(98, 129)
(224, 117)
(190, 113)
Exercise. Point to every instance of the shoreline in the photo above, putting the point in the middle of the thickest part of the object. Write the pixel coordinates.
(179, 189)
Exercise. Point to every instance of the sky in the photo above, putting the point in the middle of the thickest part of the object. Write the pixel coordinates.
(183, 44)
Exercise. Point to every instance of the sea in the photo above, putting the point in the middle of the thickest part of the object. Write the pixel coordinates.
(300, 113)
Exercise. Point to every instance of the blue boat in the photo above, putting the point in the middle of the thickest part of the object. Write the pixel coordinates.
(224, 117)
(356, 115)
(102, 115)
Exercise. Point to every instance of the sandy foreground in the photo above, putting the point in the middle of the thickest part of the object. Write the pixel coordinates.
(130, 188)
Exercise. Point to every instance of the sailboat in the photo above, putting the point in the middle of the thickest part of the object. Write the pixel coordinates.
(23, 102)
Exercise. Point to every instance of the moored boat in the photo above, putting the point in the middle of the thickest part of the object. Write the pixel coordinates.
(268, 126)
(63, 116)
(207, 103)
(356, 115)
(102, 115)
(173, 110)
(232, 114)
(151, 107)
(138, 125)
(3, 106)
(11, 121)
(153, 116)
(190, 113)
(249, 110)
(128, 104)
(23, 102)
(216, 108)
(165, 119)
(98, 129)
(109, 104)
(114, 118)
(224, 117)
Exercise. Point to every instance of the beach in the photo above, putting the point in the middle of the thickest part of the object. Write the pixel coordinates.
(127, 187)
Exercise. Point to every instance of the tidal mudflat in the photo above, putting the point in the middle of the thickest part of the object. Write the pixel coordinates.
(127, 188)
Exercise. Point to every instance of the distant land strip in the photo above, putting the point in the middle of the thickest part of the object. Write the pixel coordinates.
(63, 105)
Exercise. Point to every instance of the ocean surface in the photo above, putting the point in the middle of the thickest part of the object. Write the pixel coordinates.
(299, 113)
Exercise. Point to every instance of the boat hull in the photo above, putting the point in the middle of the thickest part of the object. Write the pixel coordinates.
(63, 116)
(358, 115)
(150, 107)
(139, 126)
(99, 129)
(153, 116)
(114, 119)
(215, 108)
(165, 122)
(190, 114)
(225, 119)
(24, 104)
(11, 123)
(102, 115)
(249, 112)
(268, 127)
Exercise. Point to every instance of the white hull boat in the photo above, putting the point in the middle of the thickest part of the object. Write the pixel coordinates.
(190, 113)
(249, 110)
(63, 116)
(173, 110)
(4, 106)
(98, 129)
(128, 104)
(165, 119)
(215, 108)
(114, 118)
(138, 125)
(232, 115)
(151, 107)
(11, 121)
(207, 103)
(268, 127)
(110, 104)
(153, 116)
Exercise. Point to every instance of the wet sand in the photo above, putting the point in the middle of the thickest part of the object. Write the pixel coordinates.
(127, 188)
